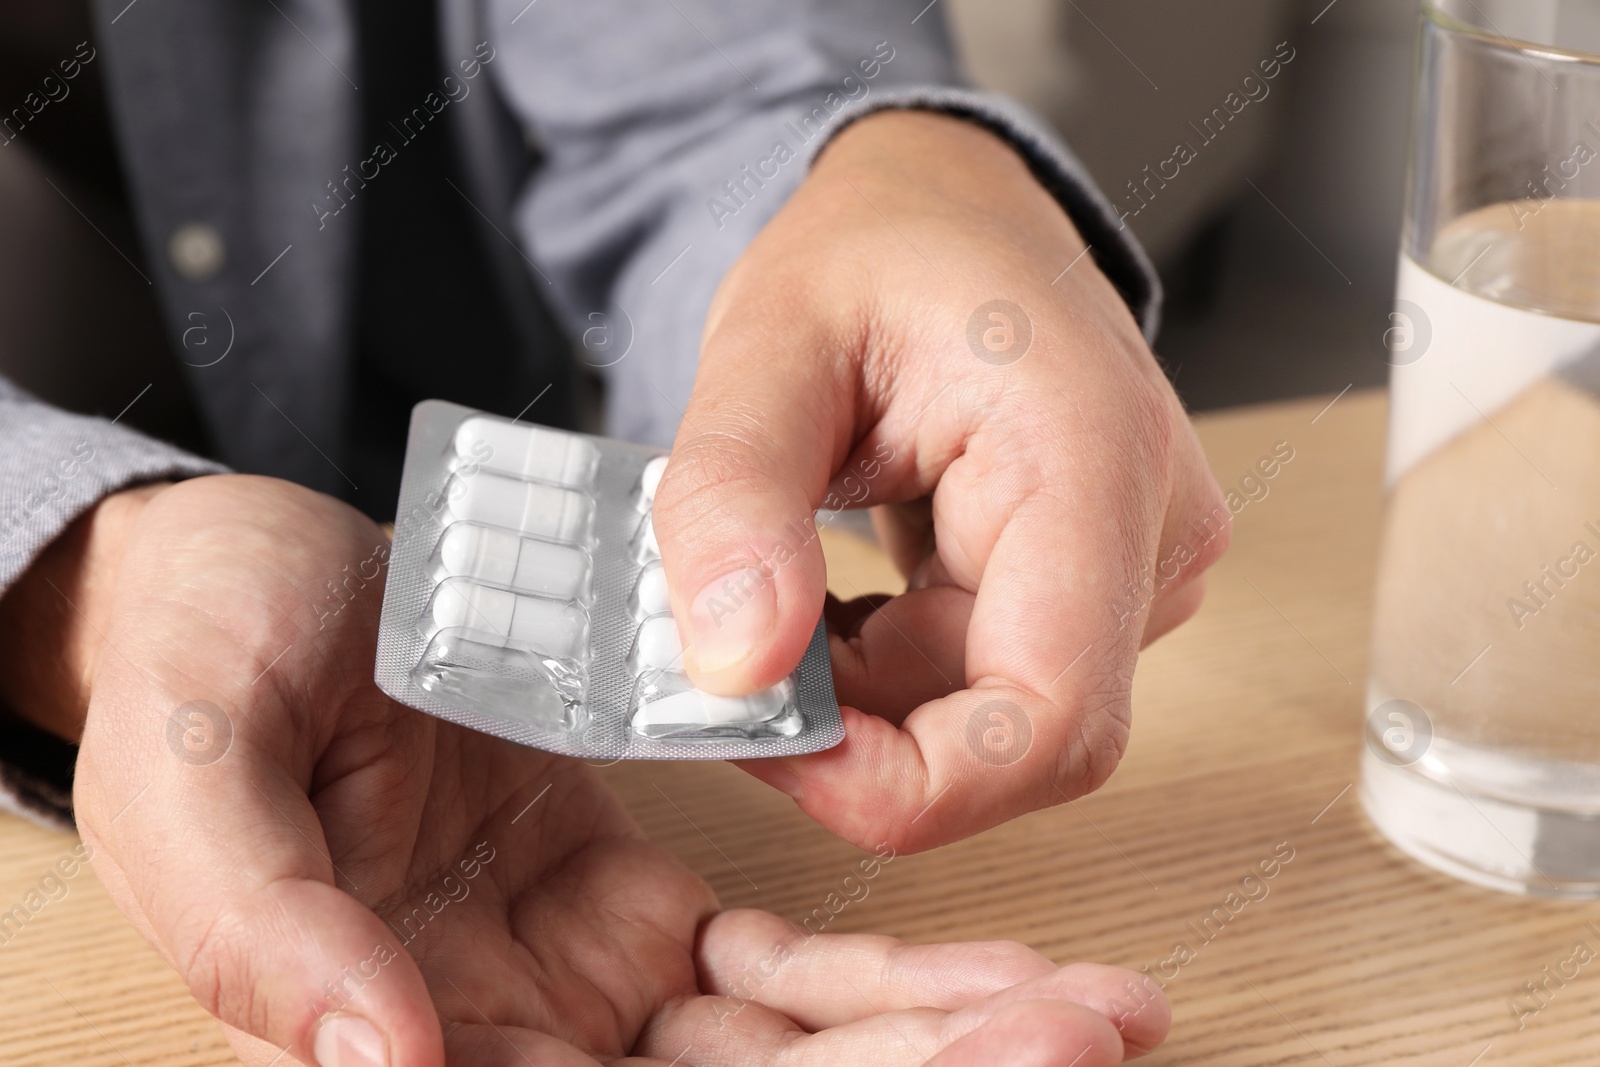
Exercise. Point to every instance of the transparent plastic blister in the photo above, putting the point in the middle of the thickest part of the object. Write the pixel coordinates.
(526, 599)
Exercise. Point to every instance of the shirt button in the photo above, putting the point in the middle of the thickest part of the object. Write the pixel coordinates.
(195, 251)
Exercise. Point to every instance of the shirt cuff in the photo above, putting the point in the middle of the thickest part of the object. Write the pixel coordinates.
(58, 465)
(35, 773)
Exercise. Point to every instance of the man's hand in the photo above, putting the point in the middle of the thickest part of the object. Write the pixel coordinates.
(921, 330)
(352, 882)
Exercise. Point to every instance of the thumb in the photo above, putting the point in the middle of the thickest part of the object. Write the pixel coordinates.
(734, 514)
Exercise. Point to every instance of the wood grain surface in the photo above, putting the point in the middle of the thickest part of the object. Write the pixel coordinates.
(1245, 742)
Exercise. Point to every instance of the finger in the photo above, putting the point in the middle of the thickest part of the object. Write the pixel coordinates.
(906, 532)
(909, 651)
(252, 1051)
(714, 1031)
(231, 878)
(1038, 1033)
(1197, 531)
(826, 980)
(767, 424)
(1059, 543)
(846, 616)
(1129, 1001)
(1174, 609)
(717, 1032)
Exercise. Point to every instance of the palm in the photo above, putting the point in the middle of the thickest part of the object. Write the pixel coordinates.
(342, 854)
(570, 925)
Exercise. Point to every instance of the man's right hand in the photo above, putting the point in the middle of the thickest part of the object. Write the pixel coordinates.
(344, 879)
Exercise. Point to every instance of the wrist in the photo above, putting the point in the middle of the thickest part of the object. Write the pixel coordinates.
(54, 616)
(937, 152)
(963, 179)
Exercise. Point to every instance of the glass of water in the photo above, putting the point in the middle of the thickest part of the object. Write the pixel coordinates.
(1483, 703)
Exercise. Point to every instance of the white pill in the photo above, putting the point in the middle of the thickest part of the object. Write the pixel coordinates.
(505, 558)
(528, 451)
(695, 708)
(649, 480)
(557, 630)
(645, 547)
(657, 646)
(650, 592)
(533, 508)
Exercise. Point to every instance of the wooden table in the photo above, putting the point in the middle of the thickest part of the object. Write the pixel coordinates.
(1245, 741)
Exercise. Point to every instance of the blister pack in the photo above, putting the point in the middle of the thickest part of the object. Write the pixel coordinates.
(526, 599)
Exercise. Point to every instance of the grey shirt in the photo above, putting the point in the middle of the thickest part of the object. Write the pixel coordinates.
(616, 159)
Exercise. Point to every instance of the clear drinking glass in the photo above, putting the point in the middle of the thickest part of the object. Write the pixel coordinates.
(1483, 727)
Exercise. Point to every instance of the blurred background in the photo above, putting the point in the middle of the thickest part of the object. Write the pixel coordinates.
(1278, 242)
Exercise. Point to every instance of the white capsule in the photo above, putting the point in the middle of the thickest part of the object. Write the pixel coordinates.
(501, 557)
(528, 451)
(649, 480)
(530, 507)
(657, 646)
(694, 708)
(645, 546)
(557, 630)
(649, 595)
